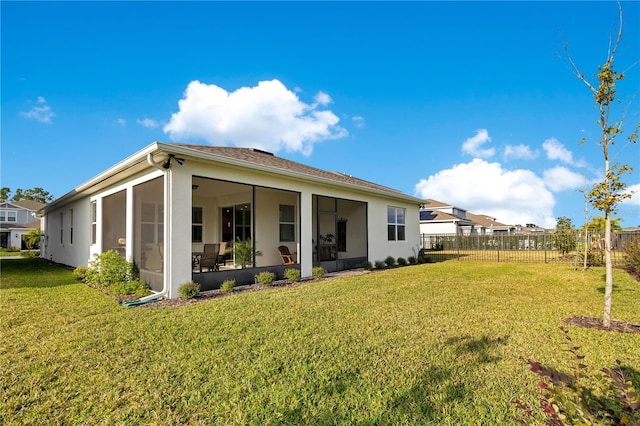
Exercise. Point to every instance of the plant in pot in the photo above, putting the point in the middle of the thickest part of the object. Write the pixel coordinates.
(243, 252)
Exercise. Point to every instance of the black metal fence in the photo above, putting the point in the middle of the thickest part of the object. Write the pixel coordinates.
(541, 247)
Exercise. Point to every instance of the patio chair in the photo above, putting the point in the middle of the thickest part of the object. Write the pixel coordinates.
(222, 255)
(209, 257)
(287, 258)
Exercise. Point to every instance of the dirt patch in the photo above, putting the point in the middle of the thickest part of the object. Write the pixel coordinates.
(590, 322)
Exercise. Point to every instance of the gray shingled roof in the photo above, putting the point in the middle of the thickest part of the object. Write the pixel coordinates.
(28, 204)
(256, 156)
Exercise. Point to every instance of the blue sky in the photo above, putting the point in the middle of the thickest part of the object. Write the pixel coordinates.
(469, 103)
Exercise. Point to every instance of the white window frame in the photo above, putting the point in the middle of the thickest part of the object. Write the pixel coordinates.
(7, 215)
(200, 224)
(398, 222)
(286, 223)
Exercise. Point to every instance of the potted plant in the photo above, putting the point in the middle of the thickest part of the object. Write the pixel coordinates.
(243, 252)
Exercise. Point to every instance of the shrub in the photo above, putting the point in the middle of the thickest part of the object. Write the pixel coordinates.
(367, 265)
(108, 268)
(390, 261)
(402, 261)
(318, 272)
(595, 257)
(380, 264)
(632, 255)
(412, 260)
(135, 287)
(189, 290)
(578, 398)
(80, 273)
(227, 286)
(265, 278)
(292, 274)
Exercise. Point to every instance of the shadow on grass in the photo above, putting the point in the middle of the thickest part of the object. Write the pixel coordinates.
(434, 257)
(436, 387)
(482, 348)
(33, 273)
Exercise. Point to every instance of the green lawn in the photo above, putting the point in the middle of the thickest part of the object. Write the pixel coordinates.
(440, 343)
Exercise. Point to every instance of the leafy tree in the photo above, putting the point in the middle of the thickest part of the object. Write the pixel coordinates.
(599, 223)
(564, 239)
(606, 195)
(34, 194)
(4, 194)
(32, 238)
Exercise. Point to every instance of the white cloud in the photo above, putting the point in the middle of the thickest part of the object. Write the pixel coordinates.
(40, 112)
(323, 99)
(267, 116)
(121, 121)
(522, 152)
(511, 196)
(148, 123)
(560, 178)
(556, 151)
(359, 121)
(472, 145)
(635, 198)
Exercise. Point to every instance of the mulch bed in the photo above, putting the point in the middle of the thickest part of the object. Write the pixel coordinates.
(214, 294)
(589, 322)
(596, 323)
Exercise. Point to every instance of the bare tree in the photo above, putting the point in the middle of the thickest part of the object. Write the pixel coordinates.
(606, 195)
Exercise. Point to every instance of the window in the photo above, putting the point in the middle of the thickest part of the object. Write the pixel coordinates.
(61, 228)
(196, 224)
(70, 226)
(395, 224)
(287, 223)
(8, 216)
(93, 219)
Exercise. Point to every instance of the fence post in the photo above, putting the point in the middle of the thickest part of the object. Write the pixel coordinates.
(544, 242)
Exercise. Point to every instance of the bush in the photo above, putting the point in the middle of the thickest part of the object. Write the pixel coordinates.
(402, 261)
(367, 265)
(292, 274)
(318, 272)
(189, 290)
(109, 268)
(595, 257)
(390, 261)
(136, 287)
(380, 264)
(632, 255)
(578, 398)
(80, 273)
(227, 286)
(265, 278)
(412, 260)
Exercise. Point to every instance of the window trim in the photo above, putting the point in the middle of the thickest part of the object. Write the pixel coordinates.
(287, 223)
(4, 216)
(199, 224)
(396, 224)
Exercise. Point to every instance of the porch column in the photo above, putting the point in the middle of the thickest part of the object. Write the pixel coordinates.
(306, 234)
(129, 225)
(177, 239)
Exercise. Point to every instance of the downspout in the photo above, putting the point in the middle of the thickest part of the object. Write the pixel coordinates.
(162, 293)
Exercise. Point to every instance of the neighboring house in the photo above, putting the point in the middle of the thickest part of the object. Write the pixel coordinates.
(487, 225)
(160, 206)
(16, 219)
(437, 217)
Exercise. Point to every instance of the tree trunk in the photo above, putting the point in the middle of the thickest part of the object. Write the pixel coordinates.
(608, 288)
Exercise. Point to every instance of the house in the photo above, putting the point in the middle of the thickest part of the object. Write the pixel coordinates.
(16, 219)
(487, 225)
(437, 217)
(163, 205)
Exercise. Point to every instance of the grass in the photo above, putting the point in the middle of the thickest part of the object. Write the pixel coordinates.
(440, 343)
